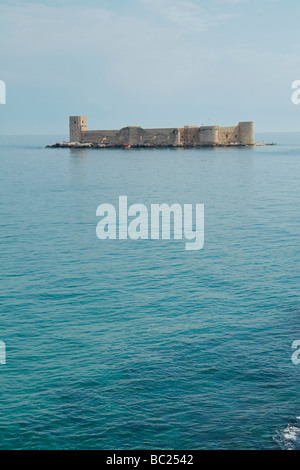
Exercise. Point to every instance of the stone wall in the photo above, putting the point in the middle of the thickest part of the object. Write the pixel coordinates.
(159, 137)
(189, 136)
(133, 135)
(101, 137)
(227, 135)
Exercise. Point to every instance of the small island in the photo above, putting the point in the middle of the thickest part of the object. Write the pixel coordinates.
(241, 135)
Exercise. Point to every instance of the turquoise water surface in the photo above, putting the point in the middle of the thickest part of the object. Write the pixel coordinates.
(140, 344)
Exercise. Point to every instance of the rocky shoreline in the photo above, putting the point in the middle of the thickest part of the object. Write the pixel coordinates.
(88, 145)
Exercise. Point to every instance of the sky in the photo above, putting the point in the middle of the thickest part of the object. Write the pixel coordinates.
(153, 63)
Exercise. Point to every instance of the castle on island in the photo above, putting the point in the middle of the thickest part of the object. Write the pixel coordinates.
(135, 136)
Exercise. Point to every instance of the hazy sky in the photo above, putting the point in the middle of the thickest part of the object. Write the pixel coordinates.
(154, 63)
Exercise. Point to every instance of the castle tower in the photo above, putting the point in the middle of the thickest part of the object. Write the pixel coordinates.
(77, 125)
(208, 135)
(246, 133)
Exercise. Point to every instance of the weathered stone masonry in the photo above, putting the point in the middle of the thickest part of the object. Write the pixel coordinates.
(189, 136)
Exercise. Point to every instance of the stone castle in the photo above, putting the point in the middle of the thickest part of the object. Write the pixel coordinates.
(135, 136)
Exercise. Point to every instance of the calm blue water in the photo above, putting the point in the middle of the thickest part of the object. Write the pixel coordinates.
(141, 344)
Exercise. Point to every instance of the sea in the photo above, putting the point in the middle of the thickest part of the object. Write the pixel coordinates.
(141, 344)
